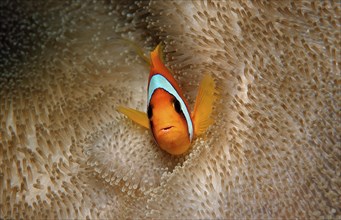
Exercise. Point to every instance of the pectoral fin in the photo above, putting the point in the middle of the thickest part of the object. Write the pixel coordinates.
(139, 117)
(206, 97)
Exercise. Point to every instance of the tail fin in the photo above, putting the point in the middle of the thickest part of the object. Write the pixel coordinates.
(139, 117)
(134, 45)
(206, 97)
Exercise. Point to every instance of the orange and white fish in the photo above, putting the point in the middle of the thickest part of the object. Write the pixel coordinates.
(168, 115)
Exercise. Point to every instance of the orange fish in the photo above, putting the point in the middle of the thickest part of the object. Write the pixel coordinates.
(168, 115)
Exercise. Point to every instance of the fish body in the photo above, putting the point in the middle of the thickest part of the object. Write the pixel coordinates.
(168, 115)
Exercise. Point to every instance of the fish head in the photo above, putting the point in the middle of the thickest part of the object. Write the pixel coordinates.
(168, 123)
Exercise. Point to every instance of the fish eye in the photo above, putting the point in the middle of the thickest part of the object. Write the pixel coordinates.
(150, 111)
(177, 106)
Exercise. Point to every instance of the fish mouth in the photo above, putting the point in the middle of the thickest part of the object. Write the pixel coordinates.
(165, 129)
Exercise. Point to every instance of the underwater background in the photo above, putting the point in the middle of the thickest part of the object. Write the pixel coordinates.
(272, 152)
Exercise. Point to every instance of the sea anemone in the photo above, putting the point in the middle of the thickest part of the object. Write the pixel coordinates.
(272, 152)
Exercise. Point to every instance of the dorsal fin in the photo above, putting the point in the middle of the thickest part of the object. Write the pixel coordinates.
(158, 67)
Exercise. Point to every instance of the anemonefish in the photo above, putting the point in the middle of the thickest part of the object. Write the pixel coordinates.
(168, 115)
